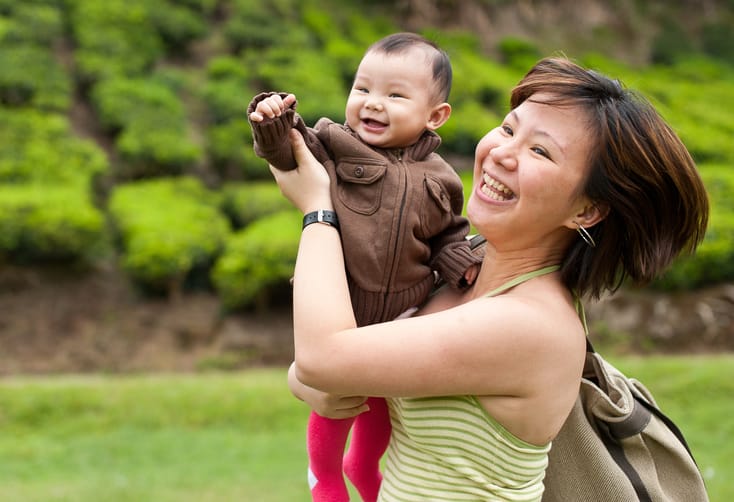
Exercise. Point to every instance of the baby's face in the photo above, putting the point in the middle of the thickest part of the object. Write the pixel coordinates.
(392, 98)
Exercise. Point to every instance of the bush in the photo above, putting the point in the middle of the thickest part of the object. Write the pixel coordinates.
(258, 260)
(518, 53)
(31, 76)
(113, 38)
(41, 148)
(320, 93)
(261, 24)
(246, 202)
(40, 223)
(33, 24)
(177, 25)
(152, 121)
(168, 228)
(231, 151)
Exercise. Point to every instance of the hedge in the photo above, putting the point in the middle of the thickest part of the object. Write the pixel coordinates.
(247, 202)
(151, 124)
(40, 223)
(41, 148)
(167, 228)
(31, 76)
(258, 260)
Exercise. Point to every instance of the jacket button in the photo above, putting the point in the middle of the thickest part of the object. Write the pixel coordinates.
(359, 171)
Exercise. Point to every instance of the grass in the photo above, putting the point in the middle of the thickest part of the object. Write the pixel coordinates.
(240, 436)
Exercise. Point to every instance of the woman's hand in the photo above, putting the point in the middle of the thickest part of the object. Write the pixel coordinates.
(307, 186)
(326, 405)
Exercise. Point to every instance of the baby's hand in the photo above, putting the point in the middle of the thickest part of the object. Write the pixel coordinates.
(471, 274)
(272, 106)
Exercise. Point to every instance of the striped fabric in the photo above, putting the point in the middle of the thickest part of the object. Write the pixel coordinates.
(449, 448)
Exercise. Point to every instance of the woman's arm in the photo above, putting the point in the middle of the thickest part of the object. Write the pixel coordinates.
(323, 403)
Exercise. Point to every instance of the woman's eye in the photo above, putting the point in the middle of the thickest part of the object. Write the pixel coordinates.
(507, 129)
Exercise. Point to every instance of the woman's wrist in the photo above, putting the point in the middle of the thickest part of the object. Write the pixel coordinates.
(323, 216)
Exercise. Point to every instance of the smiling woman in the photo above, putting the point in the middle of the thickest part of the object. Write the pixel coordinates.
(499, 363)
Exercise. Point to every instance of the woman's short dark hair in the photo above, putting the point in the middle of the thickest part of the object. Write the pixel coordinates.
(639, 170)
(440, 63)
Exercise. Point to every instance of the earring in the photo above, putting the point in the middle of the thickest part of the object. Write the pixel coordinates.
(585, 235)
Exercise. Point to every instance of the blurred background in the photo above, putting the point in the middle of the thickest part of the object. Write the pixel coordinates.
(140, 235)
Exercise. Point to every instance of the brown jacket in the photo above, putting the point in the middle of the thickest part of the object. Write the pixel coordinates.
(399, 211)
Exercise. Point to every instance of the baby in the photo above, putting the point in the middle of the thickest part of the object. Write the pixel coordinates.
(398, 206)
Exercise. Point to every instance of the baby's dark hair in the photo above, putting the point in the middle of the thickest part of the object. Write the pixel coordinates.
(441, 64)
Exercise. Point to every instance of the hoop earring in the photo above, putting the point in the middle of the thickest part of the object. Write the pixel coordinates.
(585, 235)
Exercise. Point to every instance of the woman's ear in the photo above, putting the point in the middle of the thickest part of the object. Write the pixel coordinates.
(438, 117)
(591, 214)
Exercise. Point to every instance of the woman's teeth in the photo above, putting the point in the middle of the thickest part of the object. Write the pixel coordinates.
(495, 190)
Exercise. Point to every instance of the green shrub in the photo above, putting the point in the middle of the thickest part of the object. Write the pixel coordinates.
(41, 148)
(518, 53)
(261, 24)
(320, 93)
(152, 123)
(231, 151)
(121, 102)
(258, 260)
(148, 151)
(31, 76)
(113, 38)
(40, 223)
(168, 228)
(226, 99)
(246, 202)
(30, 23)
(178, 25)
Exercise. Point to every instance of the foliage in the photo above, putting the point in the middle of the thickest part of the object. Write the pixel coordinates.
(246, 202)
(31, 76)
(167, 228)
(40, 223)
(41, 148)
(153, 139)
(258, 259)
(169, 81)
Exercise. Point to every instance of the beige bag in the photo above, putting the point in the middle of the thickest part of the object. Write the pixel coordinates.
(617, 446)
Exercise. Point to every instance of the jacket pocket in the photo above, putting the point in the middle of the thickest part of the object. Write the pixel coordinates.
(360, 183)
(436, 207)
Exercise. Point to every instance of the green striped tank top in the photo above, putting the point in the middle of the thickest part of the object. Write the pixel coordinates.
(450, 449)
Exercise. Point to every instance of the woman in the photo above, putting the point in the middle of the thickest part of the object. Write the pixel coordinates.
(582, 185)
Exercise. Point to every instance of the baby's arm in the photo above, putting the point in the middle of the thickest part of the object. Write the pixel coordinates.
(272, 106)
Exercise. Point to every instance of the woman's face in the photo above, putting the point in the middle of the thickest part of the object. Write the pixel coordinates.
(528, 174)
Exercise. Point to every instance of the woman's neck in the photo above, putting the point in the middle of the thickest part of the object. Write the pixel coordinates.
(498, 268)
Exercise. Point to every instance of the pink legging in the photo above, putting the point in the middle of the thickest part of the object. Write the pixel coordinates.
(326, 440)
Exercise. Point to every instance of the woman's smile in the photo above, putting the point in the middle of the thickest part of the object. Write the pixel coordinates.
(494, 189)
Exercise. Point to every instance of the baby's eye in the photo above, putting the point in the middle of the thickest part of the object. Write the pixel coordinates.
(541, 151)
(508, 130)
(363, 90)
(396, 95)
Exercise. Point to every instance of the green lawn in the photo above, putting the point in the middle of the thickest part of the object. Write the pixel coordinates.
(240, 436)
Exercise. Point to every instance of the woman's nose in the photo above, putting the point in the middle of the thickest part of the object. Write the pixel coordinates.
(504, 155)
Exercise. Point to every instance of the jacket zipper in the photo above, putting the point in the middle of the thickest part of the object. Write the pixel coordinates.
(394, 263)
